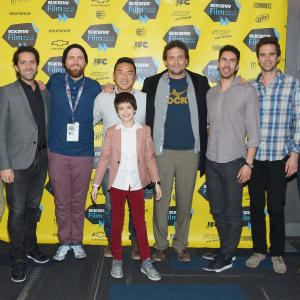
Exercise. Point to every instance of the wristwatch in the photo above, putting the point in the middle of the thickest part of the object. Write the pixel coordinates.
(251, 166)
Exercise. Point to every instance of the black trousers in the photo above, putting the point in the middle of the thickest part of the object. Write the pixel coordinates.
(225, 200)
(23, 199)
(268, 185)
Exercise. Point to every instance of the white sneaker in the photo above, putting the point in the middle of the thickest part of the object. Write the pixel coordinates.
(61, 252)
(254, 260)
(279, 265)
(148, 269)
(116, 269)
(79, 252)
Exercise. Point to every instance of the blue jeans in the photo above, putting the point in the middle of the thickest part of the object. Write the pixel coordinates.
(108, 215)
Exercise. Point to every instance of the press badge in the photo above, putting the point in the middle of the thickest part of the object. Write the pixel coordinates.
(73, 132)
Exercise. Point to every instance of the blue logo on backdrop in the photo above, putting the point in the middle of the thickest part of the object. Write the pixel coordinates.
(145, 67)
(101, 36)
(188, 34)
(23, 34)
(255, 35)
(61, 9)
(53, 65)
(211, 71)
(224, 11)
(95, 214)
(142, 10)
(203, 191)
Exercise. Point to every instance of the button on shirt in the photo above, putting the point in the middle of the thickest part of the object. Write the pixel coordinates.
(127, 177)
(231, 115)
(279, 117)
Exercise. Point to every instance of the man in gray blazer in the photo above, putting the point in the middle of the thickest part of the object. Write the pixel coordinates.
(24, 112)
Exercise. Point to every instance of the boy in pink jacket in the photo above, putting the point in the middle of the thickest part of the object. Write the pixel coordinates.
(128, 152)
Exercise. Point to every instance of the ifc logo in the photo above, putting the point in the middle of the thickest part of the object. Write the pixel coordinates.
(100, 14)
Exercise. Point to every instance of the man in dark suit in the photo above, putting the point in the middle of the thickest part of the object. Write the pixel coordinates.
(23, 157)
(176, 112)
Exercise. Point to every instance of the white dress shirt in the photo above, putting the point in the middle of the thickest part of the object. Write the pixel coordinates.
(127, 177)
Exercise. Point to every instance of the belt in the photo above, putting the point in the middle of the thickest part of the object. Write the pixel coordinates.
(41, 148)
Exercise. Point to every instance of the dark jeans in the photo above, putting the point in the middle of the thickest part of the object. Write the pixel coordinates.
(225, 199)
(108, 216)
(23, 199)
(268, 177)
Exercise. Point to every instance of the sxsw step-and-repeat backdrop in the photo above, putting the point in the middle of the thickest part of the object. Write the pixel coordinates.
(109, 29)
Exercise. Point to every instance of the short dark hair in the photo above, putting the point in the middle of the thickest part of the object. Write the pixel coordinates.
(268, 40)
(29, 49)
(176, 44)
(69, 48)
(126, 60)
(125, 97)
(231, 49)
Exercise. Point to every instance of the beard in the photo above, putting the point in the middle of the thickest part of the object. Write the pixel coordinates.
(75, 73)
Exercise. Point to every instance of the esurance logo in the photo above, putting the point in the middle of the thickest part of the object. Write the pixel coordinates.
(188, 34)
(142, 10)
(53, 65)
(101, 36)
(211, 71)
(224, 11)
(255, 35)
(21, 34)
(145, 67)
(61, 9)
(95, 214)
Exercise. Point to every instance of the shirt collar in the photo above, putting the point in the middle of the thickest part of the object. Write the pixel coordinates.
(135, 126)
(75, 82)
(279, 76)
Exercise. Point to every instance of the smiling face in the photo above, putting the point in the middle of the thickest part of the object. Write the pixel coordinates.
(267, 58)
(228, 64)
(75, 63)
(176, 62)
(26, 66)
(126, 113)
(124, 77)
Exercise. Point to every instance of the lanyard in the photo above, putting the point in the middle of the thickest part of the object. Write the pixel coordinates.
(68, 91)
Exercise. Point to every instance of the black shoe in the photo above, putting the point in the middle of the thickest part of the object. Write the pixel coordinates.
(209, 255)
(18, 273)
(213, 255)
(219, 264)
(37, 256)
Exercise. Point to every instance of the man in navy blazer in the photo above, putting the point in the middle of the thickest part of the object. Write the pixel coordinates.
(176, 112)
(24, 112)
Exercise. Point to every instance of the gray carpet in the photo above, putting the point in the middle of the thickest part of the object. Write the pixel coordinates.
(90, 279)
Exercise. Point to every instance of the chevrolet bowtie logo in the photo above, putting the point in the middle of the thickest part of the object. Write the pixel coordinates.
(59, 43)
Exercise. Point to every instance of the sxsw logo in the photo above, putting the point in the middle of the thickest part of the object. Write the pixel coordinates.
(61, 9)
(203, 191)
(188, 34)
(224, 11)
(53, 65)
(255, 35)
(142, 10)
(96, 214)
(172, 216)
(145, 67)
(21, 34)
(102, 36)
(182, 2)
(246, 216)
(141, 44)
(211, 71)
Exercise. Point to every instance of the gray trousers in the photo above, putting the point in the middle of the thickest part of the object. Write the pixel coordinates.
(183, 165)
(2, 201)
(225, 199)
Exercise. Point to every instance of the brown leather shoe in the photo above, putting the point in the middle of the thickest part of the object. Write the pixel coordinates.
(135, 253)
(107, 249)
(159, 255)
(183, 256)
